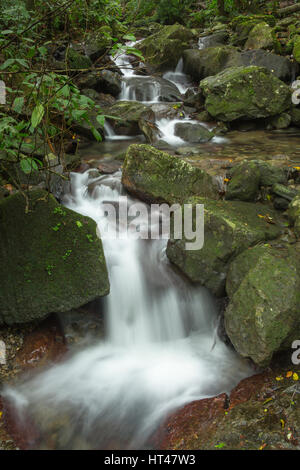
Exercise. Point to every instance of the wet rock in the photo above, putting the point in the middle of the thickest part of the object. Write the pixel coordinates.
(193, 133)
(294, 214)
(258, 414)
(128, 115)
(230, 227)
(150, 129)
(196, 100)
(248, 177)
(295, 115)
(167, 110)
(156, 176)
(207, 62)
(281, 122)
(43, 346)
(163, 49)
(284, 191)
(281, 67)
(244, 183)
(53, 264)
(263, 284)
(77, 60)
(280, 204)
(102, 99)
(245, 92)
(242, 25)
(104, 81)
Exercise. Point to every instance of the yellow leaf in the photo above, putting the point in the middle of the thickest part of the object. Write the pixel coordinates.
(295, 376)
(289, 374)
(282, 423)
(279, 378)
(1, 413)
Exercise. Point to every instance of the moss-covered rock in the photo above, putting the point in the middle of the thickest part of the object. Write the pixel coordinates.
(128, 115)
(207, 62)
(248, 177)
(294, 214)
(242, 25)
(76, 60)
(244, 183)
(296, 50)
(262, 36)
(229, 229)
(163, 49)
(263, 314)
(193, 132)
(283, 121)
(98, 43)
(245, 92)
(51, 258)
(156, 176)
(295, 115)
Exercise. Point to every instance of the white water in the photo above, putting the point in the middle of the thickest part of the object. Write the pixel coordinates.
(161, 348)
(180, 79)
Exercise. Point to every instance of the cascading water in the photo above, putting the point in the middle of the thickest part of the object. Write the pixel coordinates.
(160, 351)
(179, 78)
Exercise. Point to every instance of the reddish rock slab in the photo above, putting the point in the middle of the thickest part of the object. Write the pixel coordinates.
(186, 426)
(43, 346)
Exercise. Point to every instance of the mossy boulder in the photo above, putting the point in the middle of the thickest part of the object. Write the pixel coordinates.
(296, 49)
(203, 63)
(98, 43)
(156, 176)
(229, 229)
(245, 93)
(262, 36)
(294, 214)
(283, 121)
(246, 178)
(51, 258)
(163, 49)
(295, 115)
(262, 317)
(193, 132)
(77, 60)
(128, 115)
(242, 25)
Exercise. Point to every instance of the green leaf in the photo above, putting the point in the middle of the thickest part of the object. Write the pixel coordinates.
(28, 165)
(129, 37)
(18, 104)
(37, 115)
(96, 134)
(101, 120)
(7, 63)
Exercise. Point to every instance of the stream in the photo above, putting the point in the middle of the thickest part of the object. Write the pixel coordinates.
(161, 349)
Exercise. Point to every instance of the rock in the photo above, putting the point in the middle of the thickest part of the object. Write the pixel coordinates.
(128, 115)
(76, 60)
(196, 100)
(206, 62)
(295, 115)
(216, 39)
(244, 183)
(294, 214)
(284, 191)
(149, 129)
(263, 314)
(230, 227)
(296, 50)
(53, 256)
(85, 128)
(163, 49)
(105, 81)
(97, 44)
(156, 176)
(248, 177)
(280, 66)
(281, 122)
(102, 99)
(261, 36)
(246, 419)
(193, 133)
(280, 204)
(245, 92)
(166, 110)
(242, 26)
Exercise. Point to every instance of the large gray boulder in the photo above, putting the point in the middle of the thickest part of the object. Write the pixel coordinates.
(51, 258)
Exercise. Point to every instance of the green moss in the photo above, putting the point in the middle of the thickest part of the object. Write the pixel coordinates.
(296, 49)
(45, 247)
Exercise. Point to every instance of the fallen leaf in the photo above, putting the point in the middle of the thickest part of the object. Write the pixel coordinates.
(295, 376)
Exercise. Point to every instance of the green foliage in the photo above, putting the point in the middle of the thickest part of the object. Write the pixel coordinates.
(170, 11)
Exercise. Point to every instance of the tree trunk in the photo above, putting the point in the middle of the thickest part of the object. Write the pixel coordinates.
(289, 10)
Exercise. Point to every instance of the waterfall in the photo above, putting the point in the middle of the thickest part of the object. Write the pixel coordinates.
(160, 350)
